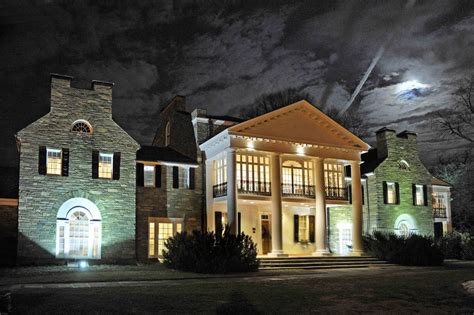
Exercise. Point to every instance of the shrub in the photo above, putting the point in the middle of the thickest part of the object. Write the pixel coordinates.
(457, 245)
(206, 252)
(414, 250)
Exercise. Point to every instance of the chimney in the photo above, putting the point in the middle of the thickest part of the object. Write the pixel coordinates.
(386, 142)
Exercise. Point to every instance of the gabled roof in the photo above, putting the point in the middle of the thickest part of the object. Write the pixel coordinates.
(163, 154)
(299, 122)
(438, 182)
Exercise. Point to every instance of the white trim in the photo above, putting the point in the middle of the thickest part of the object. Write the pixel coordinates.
(168, 163)
(408, 220)
(79, 202)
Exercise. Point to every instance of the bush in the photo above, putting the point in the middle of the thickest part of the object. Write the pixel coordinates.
(206, 252)
(414, 250)
(457, 245)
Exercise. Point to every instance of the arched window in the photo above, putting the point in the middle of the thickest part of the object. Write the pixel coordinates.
(78, 230)
(405, 225)
(297, 178)
(403, 165)
(403, 229)
(81, 126)
(168, 134)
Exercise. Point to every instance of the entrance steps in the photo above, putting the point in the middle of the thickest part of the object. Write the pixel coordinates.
(310, 262)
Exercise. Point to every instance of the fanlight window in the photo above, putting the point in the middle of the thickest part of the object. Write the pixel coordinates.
(404, 165)
(82, 126)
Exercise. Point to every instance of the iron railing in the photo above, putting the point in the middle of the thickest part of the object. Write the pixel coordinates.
(290, 190)
(336, 193)
(254, 187)
(439, 212)
(219, 190)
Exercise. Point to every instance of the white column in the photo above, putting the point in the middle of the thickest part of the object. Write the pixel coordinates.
(321, 236)
(357, 246)
(209, 195)
(277, 215)
(231, 191)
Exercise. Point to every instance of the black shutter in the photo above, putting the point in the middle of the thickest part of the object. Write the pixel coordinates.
(157, 176)
(239, 222)
(95, 164)
(311, 228)
(349, 192)
(413, 193)
(65, 162)
(385, 201)
(425, 195)
(175, 177)
(363, 196)
(192, 176)
(116, 166)
(42, 160)
(296, 228)
(218, 222)
(397, 190)
(140, 176)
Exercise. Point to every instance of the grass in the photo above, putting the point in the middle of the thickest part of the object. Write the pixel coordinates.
(407, 289)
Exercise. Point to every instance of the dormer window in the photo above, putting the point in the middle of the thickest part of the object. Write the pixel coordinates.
(82, 126)
(167, 133)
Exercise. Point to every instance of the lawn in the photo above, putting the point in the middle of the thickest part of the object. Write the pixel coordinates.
(396, 289)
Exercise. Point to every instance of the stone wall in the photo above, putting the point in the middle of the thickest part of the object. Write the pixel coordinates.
(337, 215)
(40, 196)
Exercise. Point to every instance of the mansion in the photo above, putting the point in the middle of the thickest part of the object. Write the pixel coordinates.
(293, 179)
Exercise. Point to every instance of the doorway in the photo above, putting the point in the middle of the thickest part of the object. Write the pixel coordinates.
(438, 229)
(266, 234)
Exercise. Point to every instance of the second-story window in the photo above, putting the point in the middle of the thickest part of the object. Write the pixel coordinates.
(419, 195)
(391, 192)
(334, 180)
(105, 165)
(53, 162)
(220, 171)
(297, 178)
(149, 176)
(253, 173)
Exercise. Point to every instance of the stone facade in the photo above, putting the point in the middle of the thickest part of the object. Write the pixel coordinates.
(40, 196)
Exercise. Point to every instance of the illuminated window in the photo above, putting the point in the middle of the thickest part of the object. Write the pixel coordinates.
(391, 193)
(334, 179)
(53, 162)
(159, 231)
(82, 126)
(79, 235)
(168, 134)
(148, 176)
(253, 173)
(303, 228)
(439, 200)
(220, 171)
(297, 178)
(419, 195)
(105, 165)
(403, 229)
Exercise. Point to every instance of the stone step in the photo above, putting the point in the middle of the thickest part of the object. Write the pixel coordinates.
(316, 259)
(309, 262)
(284, 264)
(317, 267)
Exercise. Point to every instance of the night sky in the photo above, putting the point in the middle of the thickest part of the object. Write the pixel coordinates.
(223, 54)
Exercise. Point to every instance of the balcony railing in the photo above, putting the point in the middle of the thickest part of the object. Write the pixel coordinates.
(289, 190)
(219, 190)
(254, 188)
(439, 212)
(336, 193)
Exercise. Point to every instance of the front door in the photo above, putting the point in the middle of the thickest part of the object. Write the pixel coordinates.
(266, 236)
(438, 229)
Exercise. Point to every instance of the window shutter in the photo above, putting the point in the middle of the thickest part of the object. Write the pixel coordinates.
(65, 162)
(157, 176)
(42, 160)
(218, 222)
(349, 192)
(140, 176)
(95, 164)
(363, 196)
(239, 222)
(397, 191)
(413, 193)
(425, 195)
(385, 192)
(296, 228)
(116, 166)
(311, 228)
(192, 176)
(175, 177)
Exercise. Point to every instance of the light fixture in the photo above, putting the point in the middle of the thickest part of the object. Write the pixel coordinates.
(83, 264)
(300, 150)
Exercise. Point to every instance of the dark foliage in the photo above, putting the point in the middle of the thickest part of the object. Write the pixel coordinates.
(206, 252)
(457, 246)
(414, 250)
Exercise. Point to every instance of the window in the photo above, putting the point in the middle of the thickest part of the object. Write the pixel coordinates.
(220, 171)
(403, 229)
(53, 162)
(419, 196)
(303, 228)
(159, 230)
(82, 126)
(186, 178)
(439, 200)
(297, 178)
(253, 173)
(334, 180)
(403, 165)
(168, 134)
(148, 176)
(391, 192)
(105, 165)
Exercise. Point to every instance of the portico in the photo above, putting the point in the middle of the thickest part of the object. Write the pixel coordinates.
(289, 162)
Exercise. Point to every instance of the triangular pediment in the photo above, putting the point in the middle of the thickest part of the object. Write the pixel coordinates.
(299, 122)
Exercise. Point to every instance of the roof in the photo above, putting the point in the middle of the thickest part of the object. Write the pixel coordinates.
(299, 122)
(371, 161)
(163, 154)
(9, 182)
(438, 182)
(226, 118)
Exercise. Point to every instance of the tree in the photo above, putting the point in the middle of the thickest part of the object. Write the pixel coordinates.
(271, 101)
(459, 120)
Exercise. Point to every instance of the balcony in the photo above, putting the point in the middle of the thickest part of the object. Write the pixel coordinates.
(336, 193)
(299, 191)
(219, 190)
(439, 212)
(254, 188)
